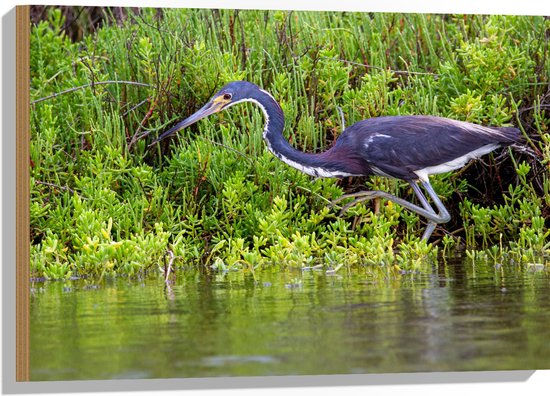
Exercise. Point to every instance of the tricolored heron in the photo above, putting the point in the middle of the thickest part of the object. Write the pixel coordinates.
(410, 148)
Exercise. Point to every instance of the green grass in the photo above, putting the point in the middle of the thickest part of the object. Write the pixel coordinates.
(102, 204)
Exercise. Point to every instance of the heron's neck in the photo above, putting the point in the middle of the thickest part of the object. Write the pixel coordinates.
(309, 163)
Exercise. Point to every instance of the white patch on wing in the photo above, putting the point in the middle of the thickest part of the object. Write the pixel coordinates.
(456, 163)
(373, 136)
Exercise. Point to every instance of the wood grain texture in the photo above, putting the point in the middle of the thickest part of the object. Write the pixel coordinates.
(22, 192)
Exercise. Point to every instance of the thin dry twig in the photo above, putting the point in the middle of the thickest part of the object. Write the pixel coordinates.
(162, 91)
(91, 85)
(63, 188)
(246, 157)
(144, 101)
(381, 68)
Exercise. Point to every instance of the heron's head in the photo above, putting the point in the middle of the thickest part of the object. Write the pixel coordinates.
(231, 93)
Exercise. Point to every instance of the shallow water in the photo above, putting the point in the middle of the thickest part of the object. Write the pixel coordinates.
(459, 317)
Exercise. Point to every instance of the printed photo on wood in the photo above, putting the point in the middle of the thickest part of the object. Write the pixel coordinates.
(223, 193)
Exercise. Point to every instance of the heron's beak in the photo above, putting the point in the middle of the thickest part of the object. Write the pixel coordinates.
(210, 108)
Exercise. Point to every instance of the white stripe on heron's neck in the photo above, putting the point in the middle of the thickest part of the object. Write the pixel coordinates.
(309, 170)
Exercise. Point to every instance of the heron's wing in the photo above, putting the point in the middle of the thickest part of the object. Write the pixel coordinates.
(400, 146)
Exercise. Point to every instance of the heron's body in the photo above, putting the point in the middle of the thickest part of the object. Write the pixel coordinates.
(389, 146)
(410, 148)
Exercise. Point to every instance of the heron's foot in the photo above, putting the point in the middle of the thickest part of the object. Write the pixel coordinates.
(357, 198)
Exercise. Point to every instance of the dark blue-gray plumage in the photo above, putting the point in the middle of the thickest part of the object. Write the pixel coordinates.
(410, 148)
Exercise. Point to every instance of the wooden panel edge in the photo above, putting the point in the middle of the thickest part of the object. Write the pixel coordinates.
(22, 15)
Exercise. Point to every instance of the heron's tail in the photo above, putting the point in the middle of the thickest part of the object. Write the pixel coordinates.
(510, 135)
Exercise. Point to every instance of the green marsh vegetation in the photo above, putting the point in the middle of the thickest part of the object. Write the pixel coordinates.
(214, 197)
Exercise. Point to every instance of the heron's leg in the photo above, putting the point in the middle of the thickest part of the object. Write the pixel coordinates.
(443, 215)
(428, 231)
(352, 195)
(358, 197)
(366, 195)
(421, 196)
(430, 227)
(426, 210)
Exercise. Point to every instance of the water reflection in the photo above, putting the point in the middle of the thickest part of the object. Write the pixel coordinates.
(459, 317)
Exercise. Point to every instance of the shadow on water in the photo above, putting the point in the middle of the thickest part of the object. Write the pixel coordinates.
(460, 317)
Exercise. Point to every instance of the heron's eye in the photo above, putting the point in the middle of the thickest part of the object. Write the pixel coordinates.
(227, 96)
